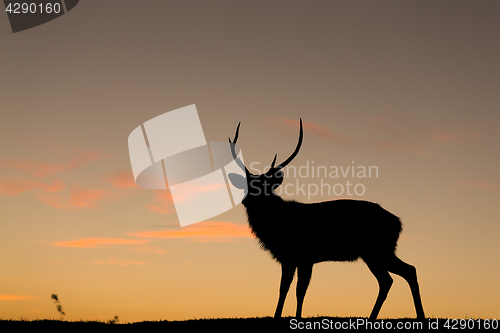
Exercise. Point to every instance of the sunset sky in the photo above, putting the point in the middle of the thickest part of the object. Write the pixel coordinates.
(411, 87)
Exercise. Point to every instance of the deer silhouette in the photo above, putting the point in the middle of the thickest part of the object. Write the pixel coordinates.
(299, 235)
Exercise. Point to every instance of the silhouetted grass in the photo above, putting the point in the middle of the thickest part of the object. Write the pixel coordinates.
(230, 324)
(58, 305)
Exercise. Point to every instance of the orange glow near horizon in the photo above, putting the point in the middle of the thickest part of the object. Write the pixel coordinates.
(15, 297)
(203, 231)
(95, 242)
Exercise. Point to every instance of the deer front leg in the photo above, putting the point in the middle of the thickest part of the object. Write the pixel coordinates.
(287, 272)
(409, 273)
(384, 282)
(304, 273)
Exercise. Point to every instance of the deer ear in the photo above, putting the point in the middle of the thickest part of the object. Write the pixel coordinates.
(238, 181)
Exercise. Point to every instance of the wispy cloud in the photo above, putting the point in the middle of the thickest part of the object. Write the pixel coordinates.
(54, 200)
(412, 131)
(16, 186)
(479, 185)
(323, 132)
(121, 179)
(44, 169)
(163, 203)
(120, 263)
(444, 136)
(16, 297)
(388, 135)
(88, 198)
(152, 249)
(98, 242)
(78, 198)
(319, 130)
(205, 231)
(53, 193)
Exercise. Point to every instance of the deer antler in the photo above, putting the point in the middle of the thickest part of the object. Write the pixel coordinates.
(233, 151)
(284, 164)
(274, 161)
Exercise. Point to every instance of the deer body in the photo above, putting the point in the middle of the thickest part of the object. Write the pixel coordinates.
(339, 230)
(299, 235)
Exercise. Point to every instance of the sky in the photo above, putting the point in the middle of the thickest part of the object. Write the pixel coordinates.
(407, 87)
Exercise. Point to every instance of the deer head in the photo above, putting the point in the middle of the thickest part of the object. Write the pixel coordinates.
(265, 183)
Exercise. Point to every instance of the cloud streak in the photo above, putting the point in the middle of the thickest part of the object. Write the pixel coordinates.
(44, 169)
(479, 185)
(78, 198)
(120, 263)
(205, 231)
(86, 243)
(319, 130)
(52, 193)
(16, 186)
(388, 135)
(16, 297)
(163, 203)
(87, 198)
(121, 179)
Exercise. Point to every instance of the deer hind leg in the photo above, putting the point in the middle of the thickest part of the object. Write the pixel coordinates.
(304, 273)
(409, 273)
(287, 272)
(384, 280)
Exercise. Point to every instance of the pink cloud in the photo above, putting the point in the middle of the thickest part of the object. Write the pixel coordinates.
(121, 179)
(408, 130)
(50, 194)
(44, 169)
(87, 198)
(414, 148)
(390, 135)
(163, 203)
(443, 136)
(319, 130)
(96, 242)
(16, 186)
(479, 185)
(16, 297)
(53, 200)
(78, 197)
(204, 231)
(325, 133)
(120, 263)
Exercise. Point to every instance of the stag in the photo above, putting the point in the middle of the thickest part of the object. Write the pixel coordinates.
(299, 235)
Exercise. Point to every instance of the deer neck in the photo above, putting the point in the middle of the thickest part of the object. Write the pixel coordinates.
(261, 210)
